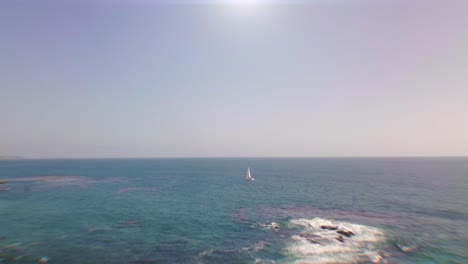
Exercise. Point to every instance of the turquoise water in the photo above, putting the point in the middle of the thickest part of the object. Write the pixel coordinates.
(400, 210)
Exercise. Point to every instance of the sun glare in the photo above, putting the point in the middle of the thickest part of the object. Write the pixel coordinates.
(246, 2)
(247, 10)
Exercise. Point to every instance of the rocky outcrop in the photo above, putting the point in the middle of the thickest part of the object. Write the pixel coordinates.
(340, 238)
(345, 233)
(329, 227)
(313, 241)
(275, 226)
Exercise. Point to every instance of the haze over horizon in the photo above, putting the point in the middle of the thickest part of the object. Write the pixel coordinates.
(117, 78)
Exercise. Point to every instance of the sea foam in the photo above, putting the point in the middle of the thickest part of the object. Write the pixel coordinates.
(316, 244)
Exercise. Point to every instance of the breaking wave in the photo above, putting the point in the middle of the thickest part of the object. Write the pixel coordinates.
(327, 241)
(250, 249)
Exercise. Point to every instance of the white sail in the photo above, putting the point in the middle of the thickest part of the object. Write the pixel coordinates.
(248, 176)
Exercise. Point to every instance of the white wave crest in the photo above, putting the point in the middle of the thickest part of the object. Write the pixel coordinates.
(320, 242)
(260, 245)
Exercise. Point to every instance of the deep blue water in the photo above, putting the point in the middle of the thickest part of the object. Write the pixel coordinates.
(400, 210)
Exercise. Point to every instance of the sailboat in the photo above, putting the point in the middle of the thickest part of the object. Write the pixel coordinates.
(248, 176)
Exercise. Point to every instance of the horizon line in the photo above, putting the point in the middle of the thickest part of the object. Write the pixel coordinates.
(225, 157)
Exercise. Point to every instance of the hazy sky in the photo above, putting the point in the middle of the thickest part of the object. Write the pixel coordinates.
(155, 78)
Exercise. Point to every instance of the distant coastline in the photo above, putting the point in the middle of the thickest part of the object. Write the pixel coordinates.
(10, 157)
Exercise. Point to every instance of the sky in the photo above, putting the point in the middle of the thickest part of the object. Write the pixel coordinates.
(148, 78)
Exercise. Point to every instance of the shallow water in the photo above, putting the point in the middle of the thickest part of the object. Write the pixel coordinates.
(400, 210)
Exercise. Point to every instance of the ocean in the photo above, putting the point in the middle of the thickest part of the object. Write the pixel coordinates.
(203, 210)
